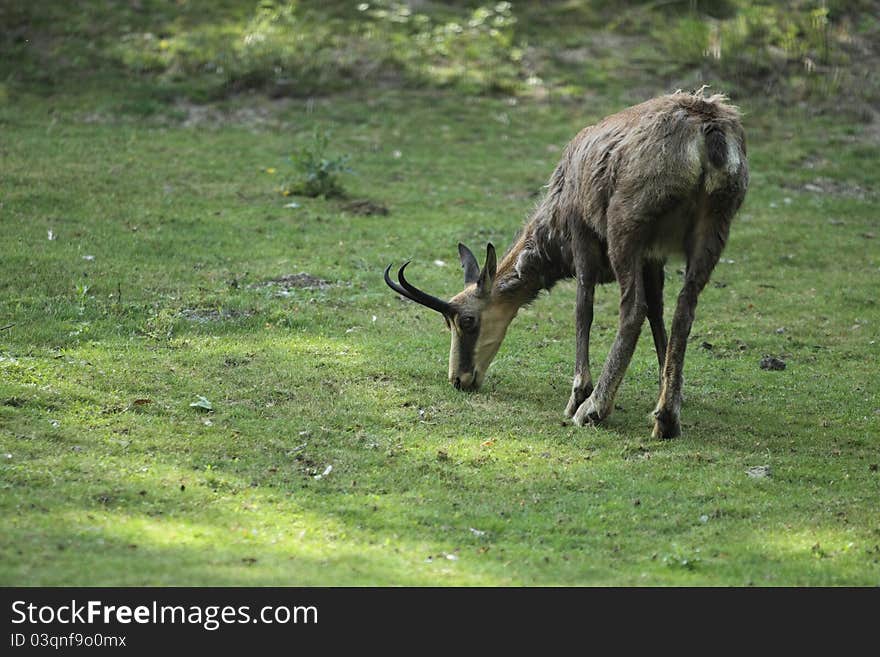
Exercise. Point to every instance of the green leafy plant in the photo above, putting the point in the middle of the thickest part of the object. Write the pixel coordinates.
(317, 171)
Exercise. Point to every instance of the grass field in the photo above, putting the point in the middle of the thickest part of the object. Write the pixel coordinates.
(139, 237)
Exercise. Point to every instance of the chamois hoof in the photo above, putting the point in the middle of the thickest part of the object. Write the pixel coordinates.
(578, 396)
(588, 414)
(666, 425)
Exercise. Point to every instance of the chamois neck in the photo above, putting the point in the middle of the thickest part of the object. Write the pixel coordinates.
(538, 259)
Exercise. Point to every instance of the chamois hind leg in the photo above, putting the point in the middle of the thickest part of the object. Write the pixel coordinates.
(582, 385)
(702, 250)
(628, 265)
(654, 275)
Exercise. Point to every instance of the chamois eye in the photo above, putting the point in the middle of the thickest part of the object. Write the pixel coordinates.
(467, 323)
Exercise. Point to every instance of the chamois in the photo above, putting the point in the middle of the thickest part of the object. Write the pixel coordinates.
(661, 178)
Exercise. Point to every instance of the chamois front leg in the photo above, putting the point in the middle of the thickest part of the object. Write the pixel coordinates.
(582, 385)
(599, 404)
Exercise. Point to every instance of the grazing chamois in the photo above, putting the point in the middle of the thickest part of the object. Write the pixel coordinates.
(661, 178)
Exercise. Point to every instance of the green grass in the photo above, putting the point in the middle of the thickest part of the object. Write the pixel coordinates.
(109, 477)
(98, 489)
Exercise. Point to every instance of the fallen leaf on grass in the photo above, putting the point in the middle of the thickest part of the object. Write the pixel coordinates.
(327, 471)
(203, 404)
(142, 402)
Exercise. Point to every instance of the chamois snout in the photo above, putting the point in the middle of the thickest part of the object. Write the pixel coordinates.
(465, 371)
(462, 364)
(465, 381)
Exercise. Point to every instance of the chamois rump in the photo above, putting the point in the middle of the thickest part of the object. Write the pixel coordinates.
(660, 178)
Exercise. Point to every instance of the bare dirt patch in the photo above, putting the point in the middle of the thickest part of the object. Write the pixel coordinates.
(823, 185)
(205, 315)
(284, 285)
(772, 363)
(261, 113)
(257, 114)
(366, 208)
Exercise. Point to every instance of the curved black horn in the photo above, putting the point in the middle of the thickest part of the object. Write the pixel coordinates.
(423, 297)
(394, 286)
(410, 291)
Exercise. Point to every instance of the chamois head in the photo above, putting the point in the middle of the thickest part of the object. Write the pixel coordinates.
(477, 318)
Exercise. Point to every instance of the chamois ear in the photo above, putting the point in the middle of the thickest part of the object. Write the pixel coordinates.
(487, 276)
(469, 264)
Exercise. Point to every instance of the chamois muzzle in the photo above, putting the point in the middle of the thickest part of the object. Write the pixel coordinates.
(410, 291)
(466, 381)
